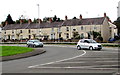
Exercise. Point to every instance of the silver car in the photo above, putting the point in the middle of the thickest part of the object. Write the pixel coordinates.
(88, 44)
(34, 43)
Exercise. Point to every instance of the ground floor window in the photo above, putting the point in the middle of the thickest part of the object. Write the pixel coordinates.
(67, 35)
(13, 37)
(29, 36)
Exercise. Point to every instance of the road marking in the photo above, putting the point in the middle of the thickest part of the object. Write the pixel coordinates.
(80, 67)
(58, 60)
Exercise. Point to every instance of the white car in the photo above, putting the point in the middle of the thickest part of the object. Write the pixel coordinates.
(34, 43)
(88, 44)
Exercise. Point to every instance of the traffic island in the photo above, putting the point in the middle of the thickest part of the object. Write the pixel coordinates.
(35, 52)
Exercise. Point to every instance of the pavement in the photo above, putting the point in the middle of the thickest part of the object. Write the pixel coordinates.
(37, 51)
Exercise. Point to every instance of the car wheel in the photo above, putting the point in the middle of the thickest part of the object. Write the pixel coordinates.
(28, 45)
(34, 46)
(99, 49)
(42, 46)
(90, 48)
(78, 47)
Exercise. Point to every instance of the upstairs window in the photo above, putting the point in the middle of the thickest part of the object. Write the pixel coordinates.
(74, 29)
(81, 27)
(20, 31)
(67, 28)
(12, 31)
(29, 31)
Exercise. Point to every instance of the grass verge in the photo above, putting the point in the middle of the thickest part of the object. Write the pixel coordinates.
(13, 50)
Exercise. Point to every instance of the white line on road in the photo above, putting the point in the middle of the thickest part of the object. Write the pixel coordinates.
(81, 67)
(58, 60)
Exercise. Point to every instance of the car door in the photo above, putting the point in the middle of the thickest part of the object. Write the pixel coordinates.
(86, 44)
(81, 43)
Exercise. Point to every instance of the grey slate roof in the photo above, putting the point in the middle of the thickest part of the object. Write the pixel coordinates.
(70, 22)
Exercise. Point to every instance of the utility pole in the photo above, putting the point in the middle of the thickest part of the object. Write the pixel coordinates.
(38, 10)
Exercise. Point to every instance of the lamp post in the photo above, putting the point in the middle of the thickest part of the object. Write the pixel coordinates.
(38, 10)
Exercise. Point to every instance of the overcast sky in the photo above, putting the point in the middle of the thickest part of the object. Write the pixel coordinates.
(49, 8)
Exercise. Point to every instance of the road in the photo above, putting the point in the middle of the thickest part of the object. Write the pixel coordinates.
(66, 59)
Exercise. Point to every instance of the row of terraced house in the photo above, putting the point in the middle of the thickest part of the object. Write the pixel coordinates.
(64, 29)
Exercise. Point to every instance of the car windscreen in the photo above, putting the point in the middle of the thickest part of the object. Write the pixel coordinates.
(36, 41)
(92, 41)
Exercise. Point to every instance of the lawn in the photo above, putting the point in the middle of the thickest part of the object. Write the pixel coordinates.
(13, 50)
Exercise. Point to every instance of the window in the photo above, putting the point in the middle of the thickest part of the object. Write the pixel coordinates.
(13, 37)
(95, 27)
(12, 31)
(52, 30)
(67, 35)
(5, 32)
(29, 31)
(82, 36)
(81, 27)
(29, 36)
(67, 28)
(20, 31)
(5, 37)
(74, 29)
(59, 30)
(59, 35)
(21, 37)
(86, 41)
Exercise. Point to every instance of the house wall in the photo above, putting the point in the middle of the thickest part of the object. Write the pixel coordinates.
(105, 30)
(81, 29)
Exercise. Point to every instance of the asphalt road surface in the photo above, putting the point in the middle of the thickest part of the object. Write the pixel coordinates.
(66, 59)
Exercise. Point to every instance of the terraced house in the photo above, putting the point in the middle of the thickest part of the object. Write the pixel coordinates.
(63, 29)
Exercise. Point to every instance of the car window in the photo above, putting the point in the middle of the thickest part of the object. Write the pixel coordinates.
(36, 41)
(92, 41)
(86, 41)
(81, 41)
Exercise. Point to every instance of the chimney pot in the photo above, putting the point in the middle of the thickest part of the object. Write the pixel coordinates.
(39, 21)
(105, 15)
(66, 18)
(21, 21)
(80, 17)
(6, 23)
(29, 21)
(50, 19)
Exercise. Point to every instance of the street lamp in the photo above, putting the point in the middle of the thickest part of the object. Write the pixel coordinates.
(38, 10)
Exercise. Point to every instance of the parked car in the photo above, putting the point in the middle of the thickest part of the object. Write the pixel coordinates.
(34, 43)
(112, 40)
(88, 44)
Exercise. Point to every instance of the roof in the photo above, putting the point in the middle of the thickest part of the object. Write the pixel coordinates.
(70, 22)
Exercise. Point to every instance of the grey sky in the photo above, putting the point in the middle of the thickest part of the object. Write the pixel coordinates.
(49, 8)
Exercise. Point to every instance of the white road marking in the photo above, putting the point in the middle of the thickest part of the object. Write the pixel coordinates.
(80, 67)
(58, 60)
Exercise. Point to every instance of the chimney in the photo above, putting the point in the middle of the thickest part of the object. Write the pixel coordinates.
(21, 21)
(80, 17)
(39, 21)
(105, 15)
(50, 20)
(109, 19)
(6, 22)
(29, 21)
(66, 18)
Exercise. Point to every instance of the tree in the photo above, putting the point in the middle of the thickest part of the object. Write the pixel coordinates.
(3, 24)
(74, 18)
(76, 35)
(95, 34)
(54, 18)
(9, 19)
(117, 23)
